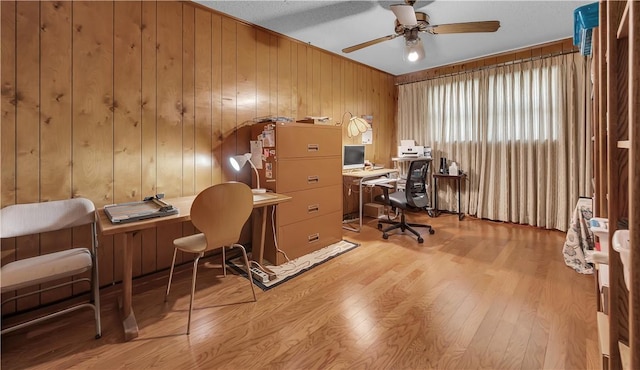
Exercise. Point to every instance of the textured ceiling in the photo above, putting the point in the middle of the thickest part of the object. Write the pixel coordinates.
(334, 25)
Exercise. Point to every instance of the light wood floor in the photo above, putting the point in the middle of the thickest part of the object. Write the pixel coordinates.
(477, 294)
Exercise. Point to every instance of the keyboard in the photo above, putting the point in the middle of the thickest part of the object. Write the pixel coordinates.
(380, 180)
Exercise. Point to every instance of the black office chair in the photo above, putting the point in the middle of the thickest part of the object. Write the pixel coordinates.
(414, 196)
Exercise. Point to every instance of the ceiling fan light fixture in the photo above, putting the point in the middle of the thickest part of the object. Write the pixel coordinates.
(414, 50)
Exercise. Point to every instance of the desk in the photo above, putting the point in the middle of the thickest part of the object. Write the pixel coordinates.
(362, 176)
(458, 180)
(126, 231)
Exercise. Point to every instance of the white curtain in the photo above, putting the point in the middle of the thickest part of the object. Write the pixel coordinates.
(521, 132)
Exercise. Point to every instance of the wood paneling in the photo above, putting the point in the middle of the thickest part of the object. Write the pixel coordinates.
(229, 61)
(188, 101)
(169, 97)
(203, 100)
(303, 84)
(293, 72)
(8, 107)
(335, 94)
(115, 101)
(246, 94)
(27, 102)
(148, 140)
(273, 75)
(284, 77)
(55, 124)
(92, 112)
(262, 73)
(316, 82)
(93, 101)
(216, 92)
(27, 137)
(55, 101)
(326, 99)
(8, 127)
(127, 127)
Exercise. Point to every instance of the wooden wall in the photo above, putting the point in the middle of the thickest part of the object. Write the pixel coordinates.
(117, 100)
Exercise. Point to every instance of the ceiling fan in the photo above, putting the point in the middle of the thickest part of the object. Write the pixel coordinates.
(410, 23)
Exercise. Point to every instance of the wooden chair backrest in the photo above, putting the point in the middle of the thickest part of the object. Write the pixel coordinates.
(220, 212)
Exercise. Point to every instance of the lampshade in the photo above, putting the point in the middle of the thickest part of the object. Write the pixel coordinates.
(238, 161)
(356, 126)
(413, 50)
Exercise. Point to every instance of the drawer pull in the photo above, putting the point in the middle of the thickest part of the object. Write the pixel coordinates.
(313, 147)
(313, 179)
(314, 238)
(313, 208)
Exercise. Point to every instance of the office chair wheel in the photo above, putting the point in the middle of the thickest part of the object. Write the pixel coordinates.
(98, 336)
(432, 231)
(385, 236)
(379, 226)
(420, 240)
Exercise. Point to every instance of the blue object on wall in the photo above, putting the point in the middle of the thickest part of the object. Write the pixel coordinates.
(585, 18)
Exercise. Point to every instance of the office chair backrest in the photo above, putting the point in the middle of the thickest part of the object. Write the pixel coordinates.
(34, 218)
(220, 212)
(416, 187)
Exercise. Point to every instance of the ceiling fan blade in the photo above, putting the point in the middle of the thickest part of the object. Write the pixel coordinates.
(368, 43)
(405, 14)
(484, 26)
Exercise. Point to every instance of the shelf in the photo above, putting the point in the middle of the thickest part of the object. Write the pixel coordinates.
(616, 114)
(623, 28)
(603, 333)
(625, 356)
(624, 144)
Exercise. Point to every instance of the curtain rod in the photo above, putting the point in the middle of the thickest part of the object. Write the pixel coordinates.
(519, 61)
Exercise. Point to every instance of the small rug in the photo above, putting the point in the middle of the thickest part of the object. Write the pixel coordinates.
(293, 268)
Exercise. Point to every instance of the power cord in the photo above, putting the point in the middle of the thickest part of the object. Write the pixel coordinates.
(275, 239)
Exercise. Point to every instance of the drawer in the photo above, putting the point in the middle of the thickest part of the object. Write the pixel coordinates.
(306, 204)
(304, 237)
(304, 174)
(308, 141)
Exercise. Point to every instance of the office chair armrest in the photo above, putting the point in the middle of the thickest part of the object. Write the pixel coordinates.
(385, 193)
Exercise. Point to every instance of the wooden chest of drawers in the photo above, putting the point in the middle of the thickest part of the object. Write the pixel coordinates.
(303, 161)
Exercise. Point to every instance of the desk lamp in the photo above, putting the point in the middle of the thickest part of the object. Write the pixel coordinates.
(238, 161)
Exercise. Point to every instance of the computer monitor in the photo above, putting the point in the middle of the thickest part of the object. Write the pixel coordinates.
(352, 157)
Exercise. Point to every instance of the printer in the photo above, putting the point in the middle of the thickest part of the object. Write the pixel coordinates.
(409, 149)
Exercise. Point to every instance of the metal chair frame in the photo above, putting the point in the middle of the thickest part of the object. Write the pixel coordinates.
(32, 223)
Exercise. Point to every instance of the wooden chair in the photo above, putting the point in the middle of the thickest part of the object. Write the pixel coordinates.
(33, 218)
(219, 212)
(414, 196)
